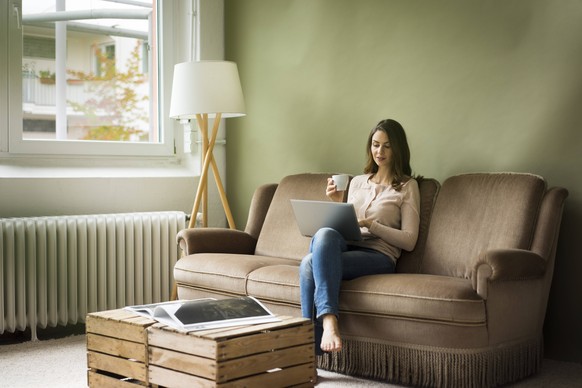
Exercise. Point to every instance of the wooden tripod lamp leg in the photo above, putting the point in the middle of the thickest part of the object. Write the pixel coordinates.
(203, 119)
(203, 184)
(222, 194)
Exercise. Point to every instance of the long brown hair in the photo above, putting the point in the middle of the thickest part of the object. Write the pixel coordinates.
(400, 152)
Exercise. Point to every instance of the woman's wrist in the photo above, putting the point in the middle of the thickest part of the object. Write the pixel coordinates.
(366, 223)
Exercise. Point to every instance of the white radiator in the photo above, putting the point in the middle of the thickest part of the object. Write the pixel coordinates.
(55, 270)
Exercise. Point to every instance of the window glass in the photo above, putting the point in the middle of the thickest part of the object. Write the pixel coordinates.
(88, 73)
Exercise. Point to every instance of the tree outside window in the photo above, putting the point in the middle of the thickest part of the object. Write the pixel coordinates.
(115, 109)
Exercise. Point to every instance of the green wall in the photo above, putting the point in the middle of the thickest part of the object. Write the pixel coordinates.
(478, 86)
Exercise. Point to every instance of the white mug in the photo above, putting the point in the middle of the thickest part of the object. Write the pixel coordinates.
(341, 181)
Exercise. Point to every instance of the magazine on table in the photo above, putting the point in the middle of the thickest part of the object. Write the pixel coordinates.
(207, 313)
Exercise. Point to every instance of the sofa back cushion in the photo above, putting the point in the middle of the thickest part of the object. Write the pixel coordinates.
(410, 262)
(280, 235)
(477, 212)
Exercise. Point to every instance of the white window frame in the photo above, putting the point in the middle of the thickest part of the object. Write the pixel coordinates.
(11, 129)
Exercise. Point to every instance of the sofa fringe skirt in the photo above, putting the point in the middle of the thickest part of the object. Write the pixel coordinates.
(424, 366)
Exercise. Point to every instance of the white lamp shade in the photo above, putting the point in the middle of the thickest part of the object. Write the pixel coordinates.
(209, 87)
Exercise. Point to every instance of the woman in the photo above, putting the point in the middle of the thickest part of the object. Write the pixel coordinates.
(387, 202)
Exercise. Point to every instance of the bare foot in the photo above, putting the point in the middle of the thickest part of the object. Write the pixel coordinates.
(331, 340)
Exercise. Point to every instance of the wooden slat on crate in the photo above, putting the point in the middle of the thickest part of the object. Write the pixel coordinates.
(117, 365)
(179, 361)
(169, 338)
(171, 378)
(119, 324)
(100, 380)
(296, 376)
(231, 369)
(117, 347)
(262, 362)
(260, 342)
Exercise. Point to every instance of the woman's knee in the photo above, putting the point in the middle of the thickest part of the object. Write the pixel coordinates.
(327, 234)
(327, 237)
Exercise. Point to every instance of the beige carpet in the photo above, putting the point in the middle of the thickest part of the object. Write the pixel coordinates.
(62, 363)
(49, 363)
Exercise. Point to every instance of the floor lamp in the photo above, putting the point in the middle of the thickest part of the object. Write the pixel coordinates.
(203, 90)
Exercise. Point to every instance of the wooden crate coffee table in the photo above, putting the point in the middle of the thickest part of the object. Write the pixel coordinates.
(125, 348)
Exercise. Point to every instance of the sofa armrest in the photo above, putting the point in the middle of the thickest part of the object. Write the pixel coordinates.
(506, 264)
(215, 240)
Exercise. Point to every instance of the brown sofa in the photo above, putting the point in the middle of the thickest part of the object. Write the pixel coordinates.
(465, 308)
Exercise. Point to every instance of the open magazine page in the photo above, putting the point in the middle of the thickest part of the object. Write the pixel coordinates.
(148, 310)
(207, 313)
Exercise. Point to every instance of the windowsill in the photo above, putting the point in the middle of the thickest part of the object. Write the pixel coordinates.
(98, 167)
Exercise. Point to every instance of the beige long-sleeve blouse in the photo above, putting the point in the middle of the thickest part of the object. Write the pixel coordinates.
(395, 214)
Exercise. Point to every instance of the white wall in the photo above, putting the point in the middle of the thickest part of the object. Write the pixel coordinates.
(22, 197)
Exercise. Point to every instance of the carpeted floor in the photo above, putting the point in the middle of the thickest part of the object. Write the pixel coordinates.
(48, 363)
(62, 363)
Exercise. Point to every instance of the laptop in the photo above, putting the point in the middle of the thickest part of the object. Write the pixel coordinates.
(314, 215)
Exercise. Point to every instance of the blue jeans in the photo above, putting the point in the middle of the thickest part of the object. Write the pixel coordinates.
(329, 262)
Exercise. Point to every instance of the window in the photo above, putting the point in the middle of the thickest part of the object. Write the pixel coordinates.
(104, 58)
(90, 78)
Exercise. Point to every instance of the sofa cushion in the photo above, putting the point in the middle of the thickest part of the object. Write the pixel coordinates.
(280, 235)
(477, 212)
(407, 296)
(414, 296)
(276, 283)
(219, 272)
